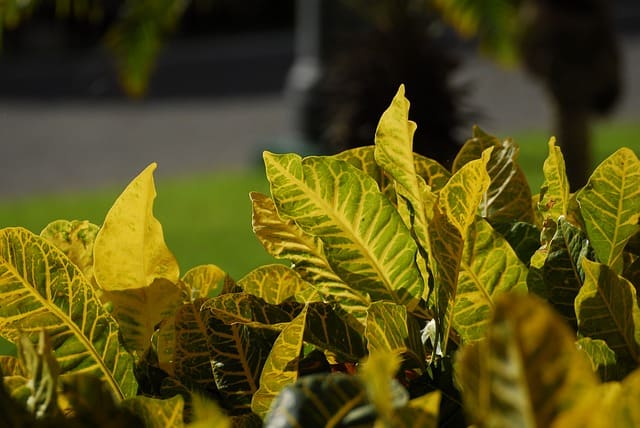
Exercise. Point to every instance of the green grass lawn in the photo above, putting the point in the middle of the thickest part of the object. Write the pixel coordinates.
(207, 218)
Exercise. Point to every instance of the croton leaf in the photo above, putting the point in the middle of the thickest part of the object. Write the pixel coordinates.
(129, 250)
(363, 158)
(75, 239)
(391, 329)
(317, 401)
(603, 359)
(378, 376)
(273, 283)
(523, 237)
(207, 414)
(554, 193)
(157, 413)
(204, 281)
(281, 367)
(364, 238)
(508, 197)
(13, 413)
(610, 206)
(607, 309)
(332, 329)
(283, 239)
(562, 271)
(526, 371)
(41, 288)
(488, 268)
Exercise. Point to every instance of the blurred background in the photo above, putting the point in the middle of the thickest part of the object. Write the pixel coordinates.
(92, 91)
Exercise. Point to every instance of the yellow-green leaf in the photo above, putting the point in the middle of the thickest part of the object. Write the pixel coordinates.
(610, 206)
(75, 239)
(527, 370)
(607, 309)
(204, 281)
(40, 287)
(283, 239)
(488, 268)
(281, 367)
(554, 193)
(364, 238)
(157, 413)
(207, 414)
(129, 250)
(377, 374)
(273, 283)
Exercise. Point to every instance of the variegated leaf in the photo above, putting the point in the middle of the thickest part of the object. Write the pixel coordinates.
(554, 194)
(273, 283)
(75, 239)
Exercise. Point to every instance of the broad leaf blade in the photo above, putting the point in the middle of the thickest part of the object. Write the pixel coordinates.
(554, 194)
(75, 239)
(607, 309)
(157, 413)
(610, 206)
(527, 370)
(273, 283)
(281, 367)
(603, 359)
(332, 329)
(378, 375)
(488, 268)
(204, 281)
(364, 238)
(129, 251)
(40, 287)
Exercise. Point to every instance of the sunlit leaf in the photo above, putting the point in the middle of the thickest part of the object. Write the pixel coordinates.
(75, 239)
(607, 309)
(281, 367)
(364, 238)
(207, 414)
(377, 374)
(488, 268)
(554, 193)
(273, 283)
(129, 250)
(610, 206)
(204, 281)
(508, 197)
(41, 288)
(526, 371)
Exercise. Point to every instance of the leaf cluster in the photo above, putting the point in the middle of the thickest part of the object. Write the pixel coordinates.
(415, 296)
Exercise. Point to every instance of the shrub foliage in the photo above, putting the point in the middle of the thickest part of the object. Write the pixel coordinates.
(414, 296)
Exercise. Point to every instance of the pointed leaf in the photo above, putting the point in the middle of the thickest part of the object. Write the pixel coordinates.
(488, 268)
(284, 239)
(364, 238)
(554, 193)
(610, 206)
(129, 251)
(526, 371)
(40, 287)
(391, 329)
(434, 174)
(607, 309)
(281, 367)
(508, 198)
(157, 413)
(603, 359)
(363, 158)
(273, 283)
(75, 239)
(204, 281)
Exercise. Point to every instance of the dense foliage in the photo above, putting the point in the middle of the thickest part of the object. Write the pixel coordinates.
(416, 296)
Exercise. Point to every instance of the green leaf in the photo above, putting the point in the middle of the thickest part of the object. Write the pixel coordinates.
(283, 239)
(524, 238)
(603, 359)
(526, 371)
(508, 197)
(204, 281)
(488, 268)
(391, 329)
(562, 272)
(13, 413)
(363, 158)
(129, 250)
(317, 401)
(378, 374)
(40, 287)
(281, 367)
(75, 239)
(554, 193)
(273, 283)
(434, 174)
(610, 206)
(364, 238)
(157, 413)
(331, 329)
(607, 309)
(459, 200)
(207, 414)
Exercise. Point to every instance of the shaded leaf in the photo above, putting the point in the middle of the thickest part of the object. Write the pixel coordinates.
(378, 376)
(207, 414)
(488, 268)
(157, 413)
(75, 239)
(40, 287)
(363, 158)
(129, 250)
(607, 309)
(273, 283)
(610, 206)
(554, 193)
(526, 371)
(364, 238)
(332, 329)
(523, 237)
(281, 367)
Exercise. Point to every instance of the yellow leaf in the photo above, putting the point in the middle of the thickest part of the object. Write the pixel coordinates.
(129, 250)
